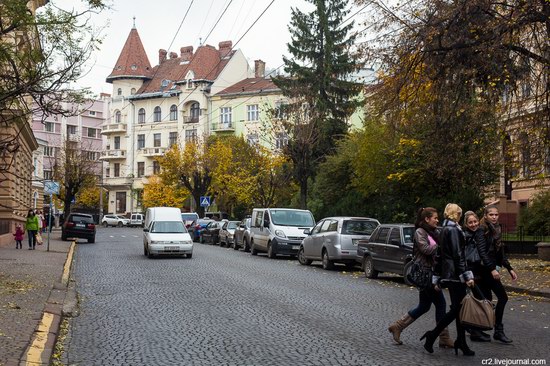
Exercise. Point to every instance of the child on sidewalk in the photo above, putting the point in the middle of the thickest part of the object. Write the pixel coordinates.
(18, 236)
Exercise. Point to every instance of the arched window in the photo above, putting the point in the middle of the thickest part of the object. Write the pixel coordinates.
(119, 91)
(133, 91)
(141, 115)
(157, 114)
(118, 117)
(173, 112)
(195, 111)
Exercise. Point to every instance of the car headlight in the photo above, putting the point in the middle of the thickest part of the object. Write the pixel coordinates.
(280, 233)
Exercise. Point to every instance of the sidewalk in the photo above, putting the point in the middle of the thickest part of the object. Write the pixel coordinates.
(30, 288)
(533, 276)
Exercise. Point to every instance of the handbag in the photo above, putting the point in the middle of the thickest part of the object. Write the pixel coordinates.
(477, 313)
(420, 276)
(39, 240)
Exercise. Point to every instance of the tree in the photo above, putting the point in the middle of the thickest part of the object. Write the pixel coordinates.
(319, 81)
(88, 197)
(156, 193)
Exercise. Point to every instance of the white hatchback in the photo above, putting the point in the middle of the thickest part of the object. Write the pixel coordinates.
(114, 220)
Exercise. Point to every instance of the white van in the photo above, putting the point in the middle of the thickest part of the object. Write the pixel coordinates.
(165, 234)
(278, 230)
(137, 219)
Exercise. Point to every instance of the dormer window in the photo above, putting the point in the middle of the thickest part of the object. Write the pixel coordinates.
(165, 83)
(133, 91)
(133, 67)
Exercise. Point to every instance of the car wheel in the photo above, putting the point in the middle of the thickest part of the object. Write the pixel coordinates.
(327, 263)
(368, 266)
(302, 259)
(253, 249)
(144, 250)
(406, 271)
(91, 240)
(105, 224)
(235, 246)
(119, 224)
(246, 245)
(270, 252)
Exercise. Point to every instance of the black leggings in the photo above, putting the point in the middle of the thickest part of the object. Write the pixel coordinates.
(457, 291)
(488, 284)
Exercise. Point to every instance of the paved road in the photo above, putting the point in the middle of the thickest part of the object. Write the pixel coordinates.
(224, 307)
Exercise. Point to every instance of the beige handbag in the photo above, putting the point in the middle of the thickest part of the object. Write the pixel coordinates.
(477, 314)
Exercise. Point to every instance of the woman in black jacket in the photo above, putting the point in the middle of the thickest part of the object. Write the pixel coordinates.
(453, 275)
(490, 276)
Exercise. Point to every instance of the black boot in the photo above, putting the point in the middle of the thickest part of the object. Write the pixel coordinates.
(460, 344)
(499, 334)
(479, 336)
(430, 336)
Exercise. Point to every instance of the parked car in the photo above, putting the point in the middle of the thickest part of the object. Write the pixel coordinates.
(79, 225)
(137, 219)
(211, 233)
(334, 240)
(279, 230)
(227, 233)
(389, 249)
(241, 237)
(165, 234)
(216, 215)
(114, 220)
(188, 218)
(196, 228)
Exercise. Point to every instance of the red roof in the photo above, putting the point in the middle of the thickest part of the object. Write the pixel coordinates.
(133, 61)
(250, 85)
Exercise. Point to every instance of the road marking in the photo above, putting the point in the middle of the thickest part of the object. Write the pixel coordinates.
(135, 236)
(123, 236)
(41, 336)
(110, 236)
(67, 266)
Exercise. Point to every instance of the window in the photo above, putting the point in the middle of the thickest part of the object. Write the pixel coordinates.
(141, 115)
(117, 142)
(259, 219)
(140, 169)
(133, 90)
(118, 117)
(325, 226)
(190, 135)
(252, 139)
(281, 110)
(71, 130)
(91, 155)
(174, 112)
(252, 112)
(117, 169)
(48, 175)
(49, 127)
(281, 140)
(91, 113)
(48, 151)
(141, 142)
(120, 202)
(157, 114)
(107, 172)
(92, 132)
(395, 236)
(195, 111)
(119, 91)
(156, 140)
(156, 167)
(172, 139)
(189, 84)
(383, 235)
(225, 116)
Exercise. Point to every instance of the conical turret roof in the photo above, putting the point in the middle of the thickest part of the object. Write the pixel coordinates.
(132, 62)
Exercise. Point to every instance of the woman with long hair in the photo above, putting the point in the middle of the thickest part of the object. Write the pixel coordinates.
(424, 250)
(453, 274)
(31, 226)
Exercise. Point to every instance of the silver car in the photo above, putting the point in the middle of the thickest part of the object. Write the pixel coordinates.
(226, 233)
(334, 240)
(115, 220)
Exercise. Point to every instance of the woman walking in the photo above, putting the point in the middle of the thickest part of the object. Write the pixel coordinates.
(31, 226)
(453, 275)
(425, 248)
(490, 276)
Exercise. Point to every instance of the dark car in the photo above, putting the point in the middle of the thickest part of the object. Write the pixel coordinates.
(211, 233)
(241, 237)
(196, 227)
(79, 225)
(389, 249)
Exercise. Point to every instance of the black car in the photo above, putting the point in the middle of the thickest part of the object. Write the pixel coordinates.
(389, 249)
(211, 233)
(79, 225)
(241, 237)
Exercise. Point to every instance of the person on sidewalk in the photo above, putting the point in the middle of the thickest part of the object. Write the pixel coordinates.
(31, 227)
(424, 250)
(453, 274)
(490, 276)
(18, 236)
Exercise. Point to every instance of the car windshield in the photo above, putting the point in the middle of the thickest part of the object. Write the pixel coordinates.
(232, 225)
(358, 227)
(408, 234)
(166, 227)
(292, 218)
(121, 217)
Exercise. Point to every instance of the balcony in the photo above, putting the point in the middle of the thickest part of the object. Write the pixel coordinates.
(154, 151)
(113, 182)
(190, 119)
(221, 127)
(113, 128)
(74, 137)
(113, 154)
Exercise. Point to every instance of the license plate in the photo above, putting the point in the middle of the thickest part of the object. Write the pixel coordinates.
(171, 248)
(295, 247)
(80, 225)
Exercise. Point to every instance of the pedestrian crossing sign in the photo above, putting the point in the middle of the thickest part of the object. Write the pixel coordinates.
(205, 201)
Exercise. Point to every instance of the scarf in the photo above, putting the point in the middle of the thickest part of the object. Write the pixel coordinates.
(496, 233)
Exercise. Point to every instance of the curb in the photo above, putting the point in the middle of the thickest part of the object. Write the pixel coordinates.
(61, 302)
(527, 291)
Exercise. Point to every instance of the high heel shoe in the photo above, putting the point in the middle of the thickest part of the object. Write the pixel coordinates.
(464, 348)
(430, 340)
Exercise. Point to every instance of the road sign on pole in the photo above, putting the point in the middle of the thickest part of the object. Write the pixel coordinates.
(51, 187)
(205, 201)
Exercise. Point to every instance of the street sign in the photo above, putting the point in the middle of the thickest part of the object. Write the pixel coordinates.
(51, 187)
(205, 201)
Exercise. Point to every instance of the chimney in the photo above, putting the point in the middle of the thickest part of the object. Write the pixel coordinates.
(162, 56)
(225, 48)
(173, 55)
(186, 53)
(259, 68)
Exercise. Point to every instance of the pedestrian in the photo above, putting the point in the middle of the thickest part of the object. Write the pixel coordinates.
(31, 226)
(425, 250)
(490, 276)
(18, 236)
(476, 259)
(40, 220)
(44, 222)
(453, 274)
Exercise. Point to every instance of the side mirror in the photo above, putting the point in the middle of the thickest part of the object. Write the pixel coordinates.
(146, 230)
(242, 226)
(307, 231)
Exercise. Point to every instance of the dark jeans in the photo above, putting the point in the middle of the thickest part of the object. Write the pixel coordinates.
(457, 291)
(488, 284)
(32, 238)
(426, 298)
